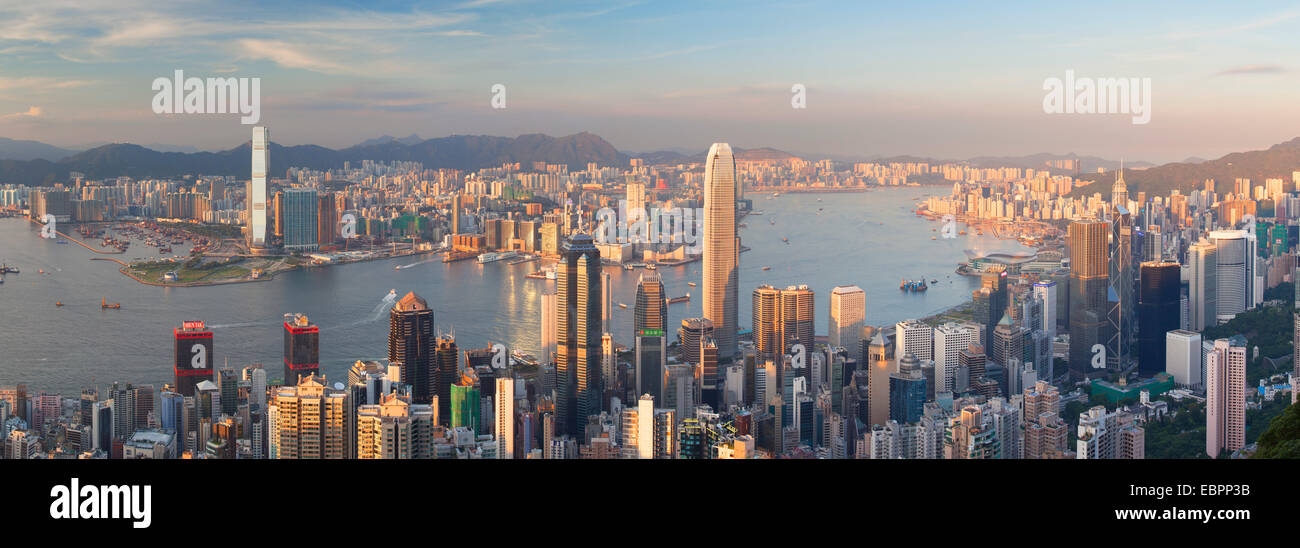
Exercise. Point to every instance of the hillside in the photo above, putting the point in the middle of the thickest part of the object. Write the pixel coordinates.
(1279, 160)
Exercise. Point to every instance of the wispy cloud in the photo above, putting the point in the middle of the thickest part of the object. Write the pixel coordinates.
(31, 112)
(1251, 69)
(286, 55)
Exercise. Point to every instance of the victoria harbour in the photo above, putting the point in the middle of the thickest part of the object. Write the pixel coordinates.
(871, 239)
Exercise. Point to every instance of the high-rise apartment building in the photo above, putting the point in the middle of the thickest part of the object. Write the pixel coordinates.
(313, 421)
(1225, 395)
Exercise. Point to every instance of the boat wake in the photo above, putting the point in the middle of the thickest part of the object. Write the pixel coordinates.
(376, 313)
(418, 263)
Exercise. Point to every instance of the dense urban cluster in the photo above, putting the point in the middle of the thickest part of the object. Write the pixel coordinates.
(1109, 318)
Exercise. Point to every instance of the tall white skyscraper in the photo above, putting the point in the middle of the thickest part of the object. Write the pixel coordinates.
(721, 249)
(645, 428)
(505, 418)
(256, 195)
(950, 340)
(1235, 272)
(848, 312)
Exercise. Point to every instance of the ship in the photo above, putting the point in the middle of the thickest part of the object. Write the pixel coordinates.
(682, 299)
(491, 257)
(767, 268)
(913, 286)
(6, 269)
(107, 305)
(651, 266)
(621, 305)
(692, 284)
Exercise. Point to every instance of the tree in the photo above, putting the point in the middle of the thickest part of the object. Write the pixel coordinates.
(1282, 438)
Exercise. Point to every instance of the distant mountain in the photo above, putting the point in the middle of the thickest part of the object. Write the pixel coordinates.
(11, 149)
(466, 152)
(411, 139)
(1193, 160)
(1280, 160)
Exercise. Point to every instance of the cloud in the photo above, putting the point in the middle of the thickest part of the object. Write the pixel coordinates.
(1251, 69)
(286, 55)
(32, 112)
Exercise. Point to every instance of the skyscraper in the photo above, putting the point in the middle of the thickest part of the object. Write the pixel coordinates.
(1203, 285)
(1158, 313)
(1225, 398)
(466, 408)
(848, 312)
(301, 348)
(446, 371)
(411, 343)
(950, 340)
(548, 337)
(193, 356)
(300, 223)
(394, 429)
(327, 219)
(1234, 286)
(651, 322)
(782, 318)
(313, 421)
(255, 196)
(915, 338)
(721, 248)
(1089, 275)
(504, 415)
(907, 391)
(578, 331)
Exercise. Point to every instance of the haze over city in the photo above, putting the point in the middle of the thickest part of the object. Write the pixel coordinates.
(951, 81)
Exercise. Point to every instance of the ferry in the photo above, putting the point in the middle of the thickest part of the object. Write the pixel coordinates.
(491, 257)
(692, 284)
(682, 299)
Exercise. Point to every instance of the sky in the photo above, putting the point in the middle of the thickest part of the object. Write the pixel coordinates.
(939, 79)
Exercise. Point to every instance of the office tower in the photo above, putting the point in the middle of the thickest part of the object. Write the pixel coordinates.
(907, 391)
(1225, 398)
(255, 196)
(411, 344)
(1089, 274)
(1008, 351)
(848, 313)
(650, 325)
(974, 363)
(607, 299)
(645, 430)
(548, 326)
(915, 338)
(990, 300)
(300, 223)
(301, 348)
(1183, 357)
(194, 356)
(578, 330)
(465, 404)
(782, 318)
(327, 219)
(504, 417)
(1158, 306)
(312, 421)
(880, 360)
(1122, 279)
(457, 206)
(1234, 266)
(1046, 291)
(689, 335)
(446, 371)
(1045, 433)
(395, 429)
(710, 394)
(950, 340)
(1203, 285)
(721, 250)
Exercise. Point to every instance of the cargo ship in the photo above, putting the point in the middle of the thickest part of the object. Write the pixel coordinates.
(913, 286)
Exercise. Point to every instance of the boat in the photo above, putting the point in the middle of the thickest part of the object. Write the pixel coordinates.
(772, 221)
(786, 240)
(41, 271)
(692, 284)
(491, 257)
(110, 306)
(6, 269)
(621, 305)
(767, 268)
(682, 299)
(58, 303)
(651, 266)
(627, 267)
(913, 286)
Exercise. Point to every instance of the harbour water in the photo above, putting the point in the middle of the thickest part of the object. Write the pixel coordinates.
(871, 239)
